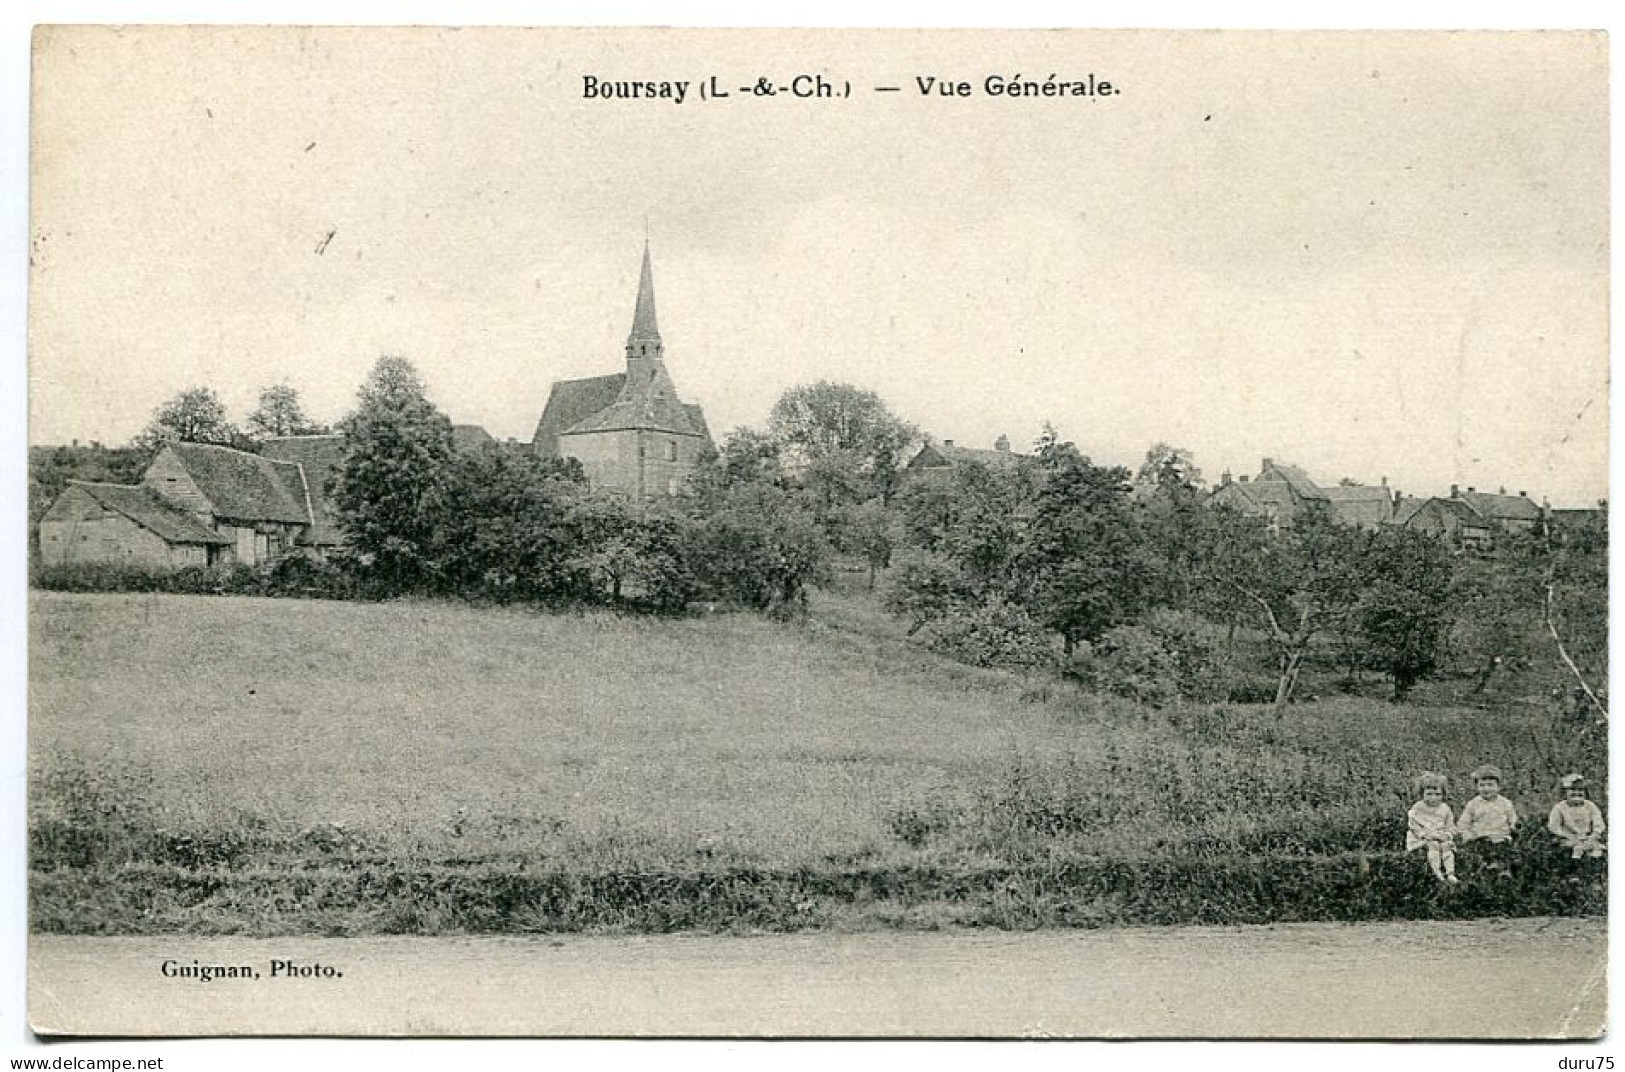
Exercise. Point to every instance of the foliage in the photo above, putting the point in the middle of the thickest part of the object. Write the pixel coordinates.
(1167, 658)
(1081, 567)
(757, 545)
(397, 450)
(196, 415)
(923, 587)
(631, 559)
(502, 527)
(993, 633)
(850, 444)
(280, 414)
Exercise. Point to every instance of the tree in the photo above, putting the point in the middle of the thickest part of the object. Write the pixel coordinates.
(196, 415)
(503, 527)
(1400, 616)
(758, 545)
(1304, 582)
(1168, 465)
(397, 448)
(1082, 566)
(850, 444)
(279, 414)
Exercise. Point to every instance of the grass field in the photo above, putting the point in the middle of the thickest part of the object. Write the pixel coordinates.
(221, 745)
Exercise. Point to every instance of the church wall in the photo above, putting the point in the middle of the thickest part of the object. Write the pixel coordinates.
(668, 460)
(608, 458)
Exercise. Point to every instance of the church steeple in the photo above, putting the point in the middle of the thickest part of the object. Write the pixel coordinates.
(644, 341)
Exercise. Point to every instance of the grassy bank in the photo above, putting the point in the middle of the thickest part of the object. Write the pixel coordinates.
(235, 765)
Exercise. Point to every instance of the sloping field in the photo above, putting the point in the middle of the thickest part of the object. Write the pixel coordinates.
(456, 727)
(234, 765)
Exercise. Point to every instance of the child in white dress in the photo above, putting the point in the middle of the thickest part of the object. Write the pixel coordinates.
(1431, 825)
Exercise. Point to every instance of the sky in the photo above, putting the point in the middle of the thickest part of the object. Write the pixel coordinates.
(1371, 255)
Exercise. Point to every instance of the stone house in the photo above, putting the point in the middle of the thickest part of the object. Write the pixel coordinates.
(125, 524)
(630, 431)
(1449, 519)
(196, 505)
(1280, 493)
(946, 456)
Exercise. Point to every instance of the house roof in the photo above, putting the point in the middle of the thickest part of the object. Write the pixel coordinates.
(1293, 477)
(247, 487)
(466, 437)
(1501, 507)
(1351, 493)
(320, 457)
(1405, 509)
(142, 505)
(946, 456)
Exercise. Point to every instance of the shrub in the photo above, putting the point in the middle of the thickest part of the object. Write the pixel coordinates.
(996, 633)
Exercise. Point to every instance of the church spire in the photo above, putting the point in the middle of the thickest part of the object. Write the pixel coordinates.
(644, 341)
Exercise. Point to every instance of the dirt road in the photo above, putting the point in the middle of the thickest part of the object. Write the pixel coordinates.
(1396, 980)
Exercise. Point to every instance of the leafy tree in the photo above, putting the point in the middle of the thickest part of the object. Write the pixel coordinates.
(280, 414)
(1303, 583)
(850, 444)
(1081, 567)
(1400, 616)
(397, 449)
(1166, 465)
(196, 415)
(925, 586)
(503, 527)
(757, 545)
(970, 516)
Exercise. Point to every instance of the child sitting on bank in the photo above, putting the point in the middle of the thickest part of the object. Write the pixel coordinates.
(1488, 821)
(1431, 825)
(1576, 821)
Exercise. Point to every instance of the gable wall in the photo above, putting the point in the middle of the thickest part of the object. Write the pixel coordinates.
(169, 478)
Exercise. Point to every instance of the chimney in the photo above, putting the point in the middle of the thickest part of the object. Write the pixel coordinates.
(1523, 495)
(947, 442)
(1455, 491)
(1243, 478)
(1002, 444)
(1471, 490)
(1503, 490)
(1385, 482)
(1224, 479)
(75, 444)
(1268, 462)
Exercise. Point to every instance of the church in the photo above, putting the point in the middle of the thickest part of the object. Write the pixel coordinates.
(629, 430)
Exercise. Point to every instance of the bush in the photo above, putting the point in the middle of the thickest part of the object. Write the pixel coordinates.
(996, 633)
(1163, 659)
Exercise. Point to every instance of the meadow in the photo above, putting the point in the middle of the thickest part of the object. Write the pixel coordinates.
(238, 765)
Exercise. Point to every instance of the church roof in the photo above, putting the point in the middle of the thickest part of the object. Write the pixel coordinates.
(569, 403)
(644, 326)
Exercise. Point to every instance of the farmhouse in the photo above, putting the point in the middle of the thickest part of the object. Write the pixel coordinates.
(630, 431)
(945, 457)
(1281, 493)
(199, 505)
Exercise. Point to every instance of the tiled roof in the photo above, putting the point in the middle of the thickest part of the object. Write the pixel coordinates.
(466, 437)
(1294, 477)
(647, 400)
(943, 455)
(243, 486)
(1405, 509)
(320, 457)
(1501, 507)
(1356, 493)
(573, 401)
(141, 505)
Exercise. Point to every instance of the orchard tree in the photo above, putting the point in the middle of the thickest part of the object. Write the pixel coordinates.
(280, 414)
(397, 449)
(1082, 566)
(850, 444)
(196, 415)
